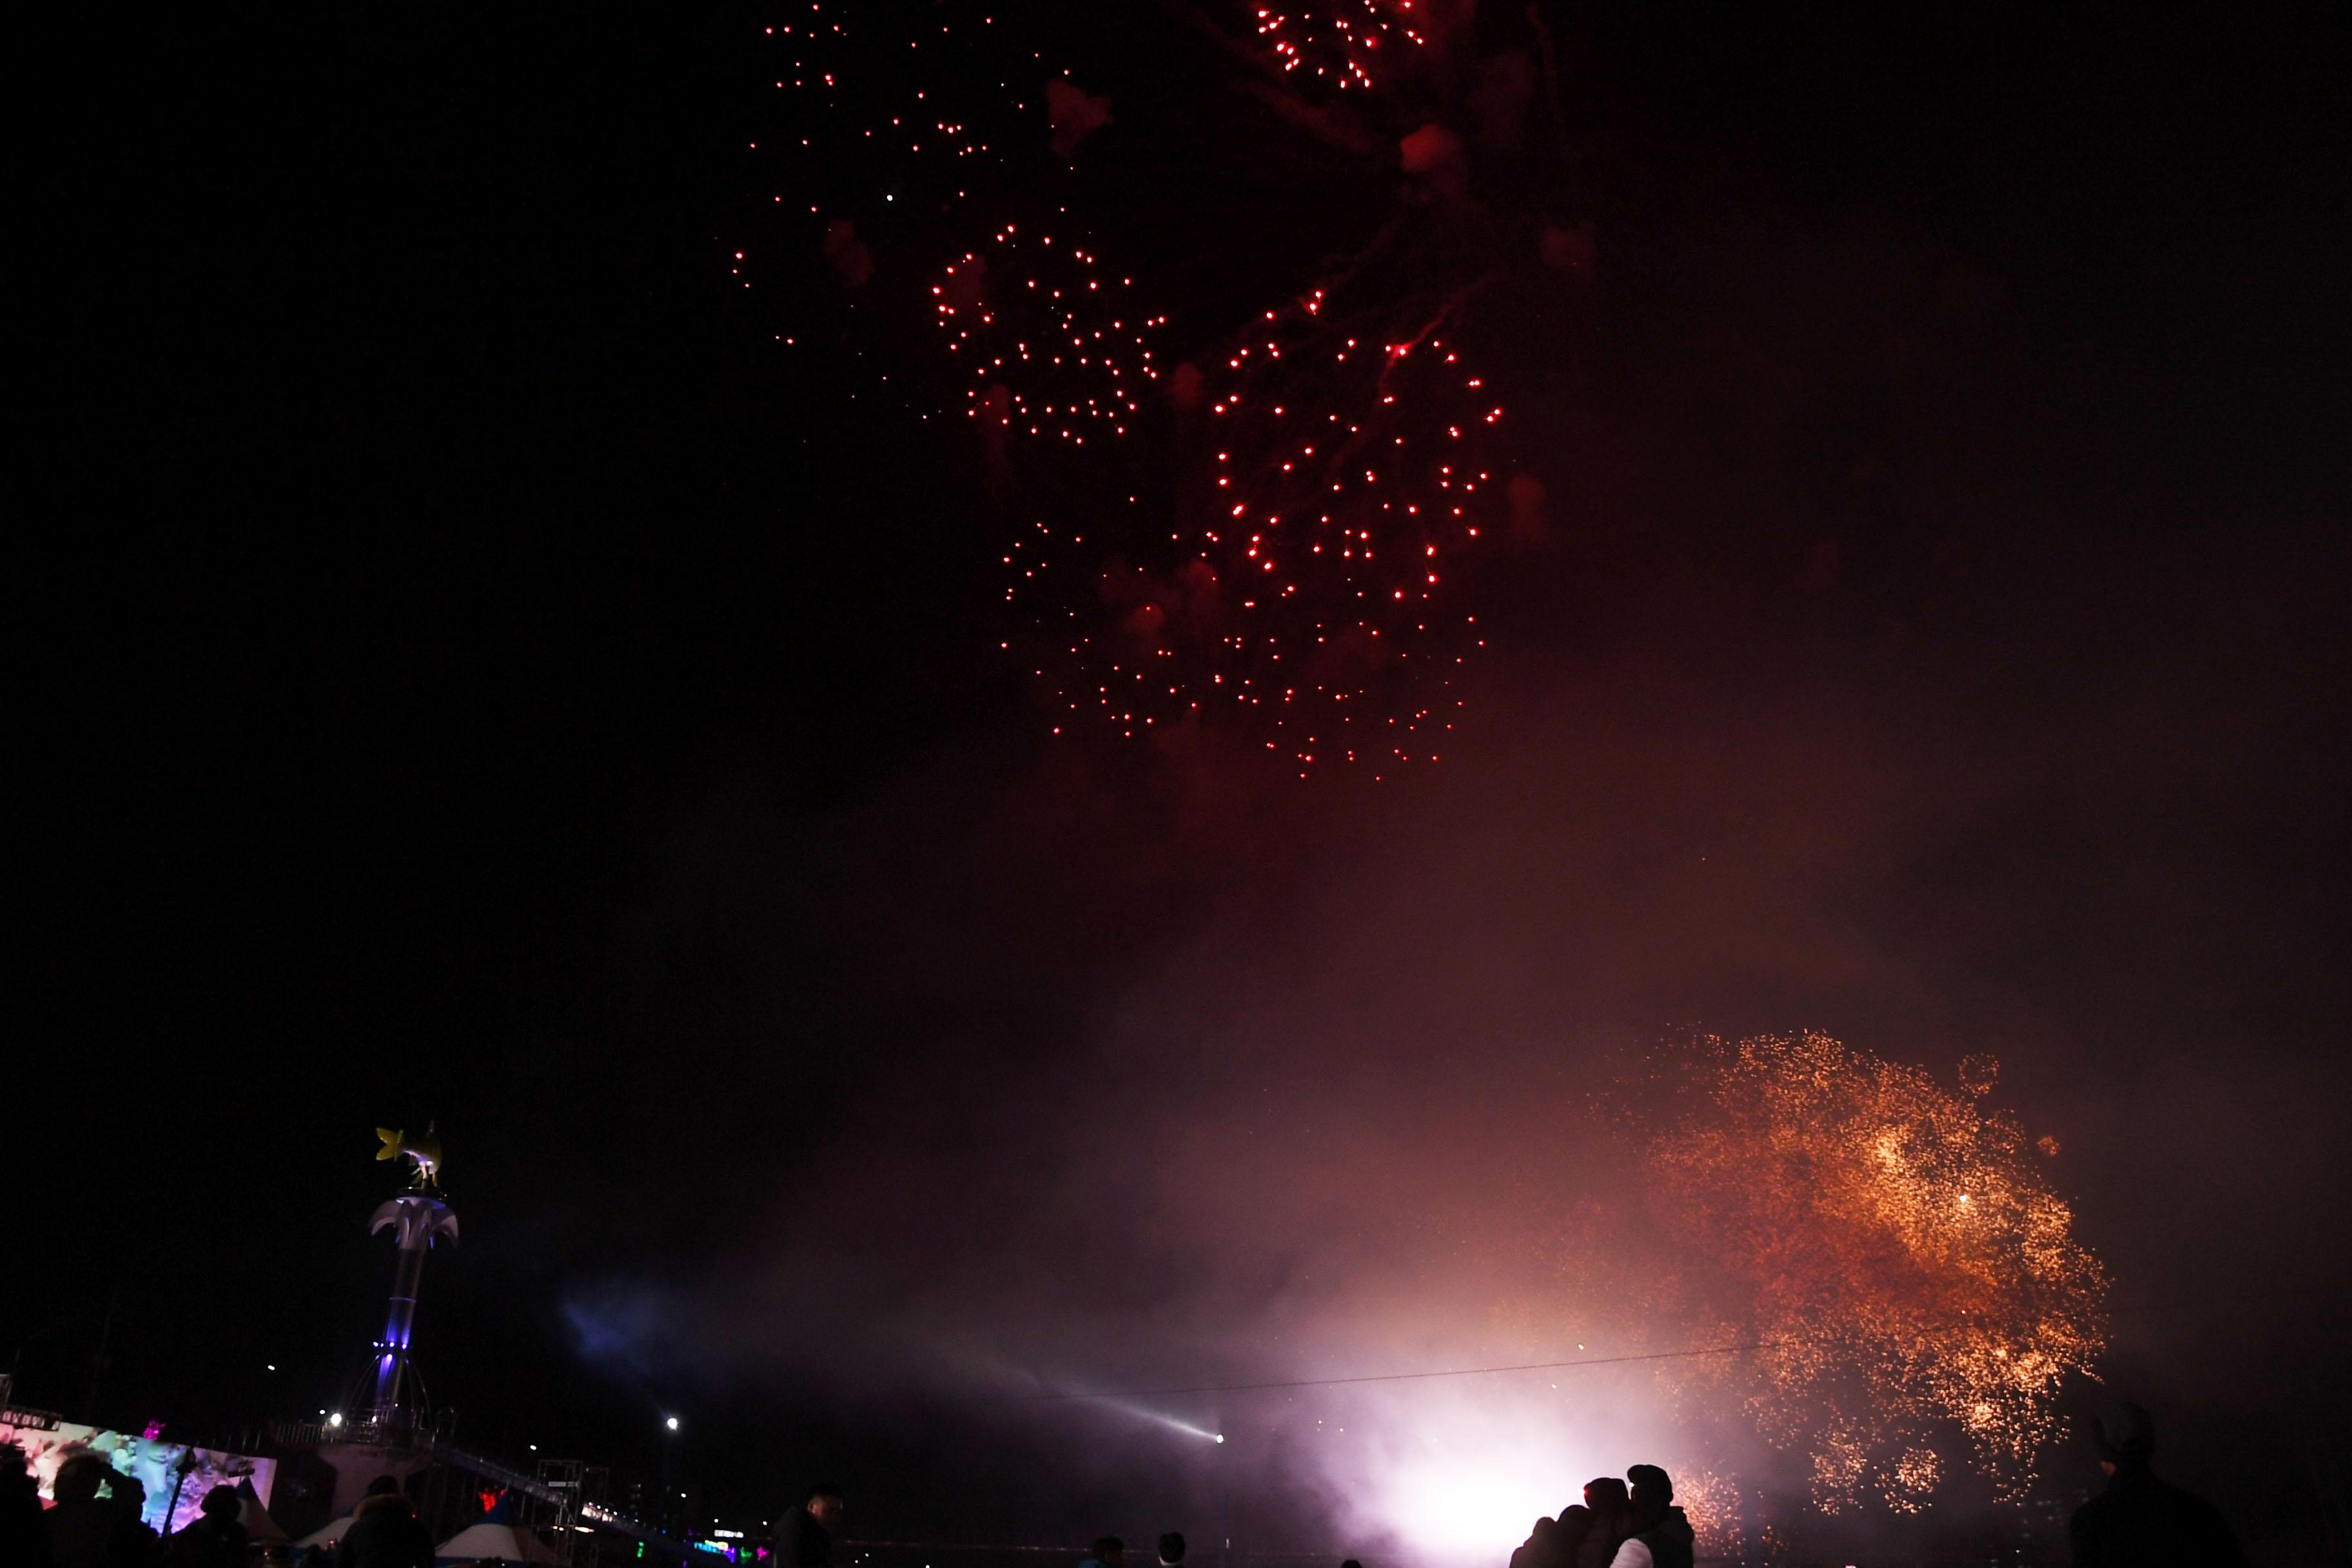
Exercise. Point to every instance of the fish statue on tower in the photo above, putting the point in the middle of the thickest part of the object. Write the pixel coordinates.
(419, 1215)
(425, 1151)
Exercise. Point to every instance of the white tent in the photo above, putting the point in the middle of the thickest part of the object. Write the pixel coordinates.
(327, 1534)
(493, 1543)
(263, 1530)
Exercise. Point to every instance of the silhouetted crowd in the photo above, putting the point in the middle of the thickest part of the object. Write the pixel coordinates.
(1630, 1523)
(2142, 1520)
(82, 1529)
(2139, 1521)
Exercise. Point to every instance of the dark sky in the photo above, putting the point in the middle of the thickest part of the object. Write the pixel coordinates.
(475, 674)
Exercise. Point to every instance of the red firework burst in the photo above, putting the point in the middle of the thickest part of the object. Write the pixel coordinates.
(1339, 41)
(1306, 596)
(878, 99)
(1051, 343)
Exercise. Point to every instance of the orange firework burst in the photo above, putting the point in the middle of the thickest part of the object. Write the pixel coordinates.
(1888, 1245)
(1715, 1511)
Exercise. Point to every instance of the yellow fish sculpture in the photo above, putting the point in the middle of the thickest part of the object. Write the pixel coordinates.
(425, 1150)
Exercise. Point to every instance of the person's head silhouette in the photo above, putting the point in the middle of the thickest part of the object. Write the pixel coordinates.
(79, 1478)
(2126, 1436)
(1650, 1491)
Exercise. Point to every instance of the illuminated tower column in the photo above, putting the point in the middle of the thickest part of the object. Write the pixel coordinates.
(421, 1217)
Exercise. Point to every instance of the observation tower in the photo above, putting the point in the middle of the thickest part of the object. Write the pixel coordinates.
(398, 1400)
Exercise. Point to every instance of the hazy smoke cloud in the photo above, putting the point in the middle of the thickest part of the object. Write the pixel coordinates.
(1155, 1075)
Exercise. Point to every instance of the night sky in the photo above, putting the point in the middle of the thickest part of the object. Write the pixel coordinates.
(477, 672)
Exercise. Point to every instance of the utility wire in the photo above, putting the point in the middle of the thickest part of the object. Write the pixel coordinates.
(2129, 1310)
(1409, 1376)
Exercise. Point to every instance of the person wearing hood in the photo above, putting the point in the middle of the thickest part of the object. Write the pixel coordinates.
(2141, 1521)
(384, 1531)
(1657, 1535)
(216, 1540)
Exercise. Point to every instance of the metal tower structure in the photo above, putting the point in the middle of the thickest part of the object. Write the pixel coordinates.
(418, 1216)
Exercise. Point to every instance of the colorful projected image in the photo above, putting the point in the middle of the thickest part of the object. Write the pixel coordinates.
(153, 1463)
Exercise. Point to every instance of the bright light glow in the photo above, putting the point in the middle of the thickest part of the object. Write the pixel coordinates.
(1158, 1418)
(1453, 1470)
(1475, 1505)
(671, 1423)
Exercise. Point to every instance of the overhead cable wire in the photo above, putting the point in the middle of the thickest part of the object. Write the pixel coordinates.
(1409, 1376)
(2129, 1310)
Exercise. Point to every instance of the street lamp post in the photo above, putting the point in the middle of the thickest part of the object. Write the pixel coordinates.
(673, 1498)
(1225, 1537)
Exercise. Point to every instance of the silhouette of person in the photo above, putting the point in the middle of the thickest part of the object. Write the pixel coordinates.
(1172, 1550)
(2141, 1521)
(1110, 1552)
(1605, 1503)
(1575, 1524)
(133, 1542)
(1657, 1534)
(216, 1540)
(805, 1535)
(24, 1537)
(385, 1532)
(1541, 1547)
(78, 1524)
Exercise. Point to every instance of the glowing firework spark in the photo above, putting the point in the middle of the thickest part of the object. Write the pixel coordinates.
(1306, 597)
(877, 101)
(892, 127)
(1338, 41)
(1905, 1268)
(1717, 1517)
(1300, 596)
(1051, 343)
